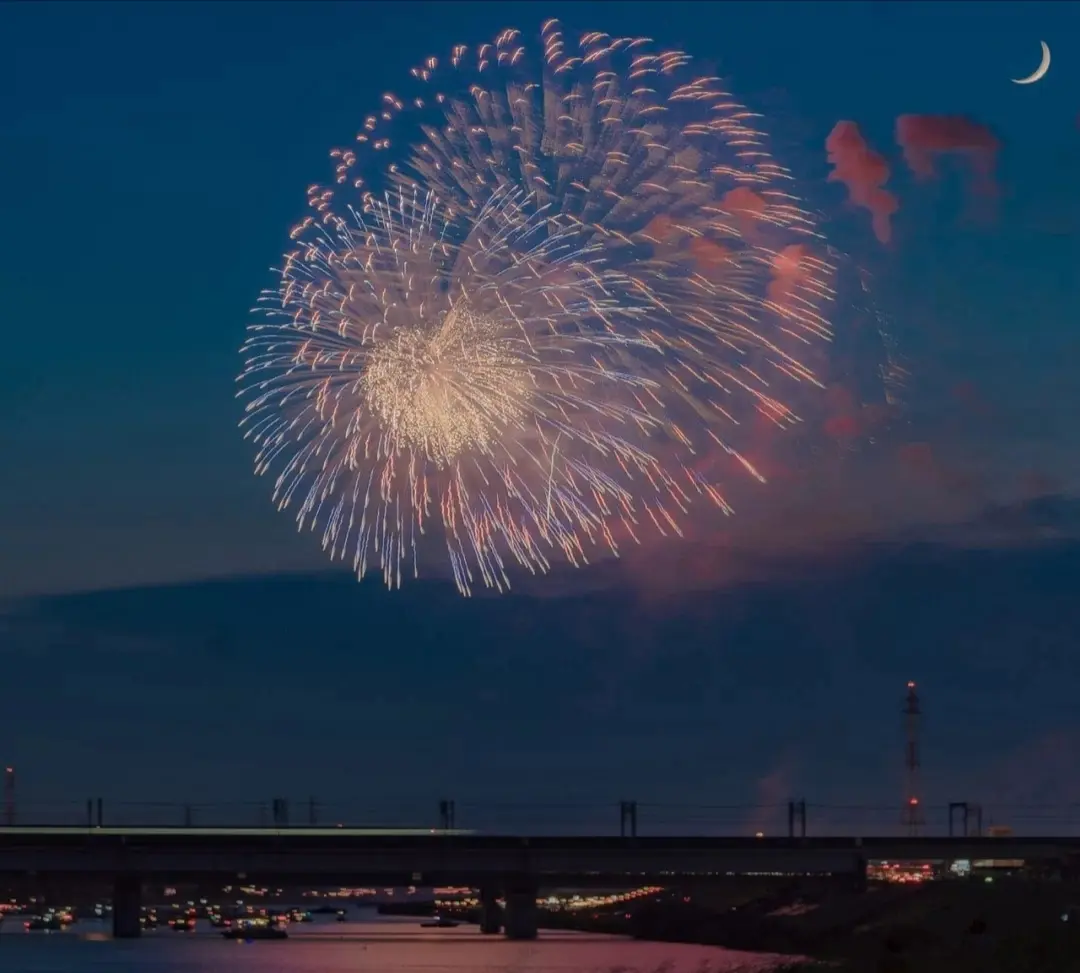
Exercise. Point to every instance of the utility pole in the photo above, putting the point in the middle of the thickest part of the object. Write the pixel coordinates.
(796, 819)
(970, 819)
(9, 796)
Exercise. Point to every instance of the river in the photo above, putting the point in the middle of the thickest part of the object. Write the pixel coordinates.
(378, 946)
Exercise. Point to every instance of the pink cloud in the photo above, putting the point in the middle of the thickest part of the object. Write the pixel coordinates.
(864, 172)
(924, 138)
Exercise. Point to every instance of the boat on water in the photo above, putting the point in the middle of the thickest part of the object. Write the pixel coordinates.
(440, 922)
(247, 929)
(50, 923)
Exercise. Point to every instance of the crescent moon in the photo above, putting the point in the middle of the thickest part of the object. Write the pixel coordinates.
(1040, 71)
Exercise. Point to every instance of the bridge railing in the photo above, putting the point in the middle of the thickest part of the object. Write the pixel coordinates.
(793, 818)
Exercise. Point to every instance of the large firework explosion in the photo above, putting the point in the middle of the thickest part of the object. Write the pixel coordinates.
(517, 338)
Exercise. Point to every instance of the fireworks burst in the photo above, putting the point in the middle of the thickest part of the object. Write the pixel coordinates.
(517, 337)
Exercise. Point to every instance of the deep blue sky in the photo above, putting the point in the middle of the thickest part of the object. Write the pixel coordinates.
(152, 157)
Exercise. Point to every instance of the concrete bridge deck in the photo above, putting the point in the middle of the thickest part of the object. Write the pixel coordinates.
(433, 857)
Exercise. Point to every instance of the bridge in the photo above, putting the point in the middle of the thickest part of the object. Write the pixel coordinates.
(514, 866)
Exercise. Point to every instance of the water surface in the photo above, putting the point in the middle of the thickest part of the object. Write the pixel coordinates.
(353, 947)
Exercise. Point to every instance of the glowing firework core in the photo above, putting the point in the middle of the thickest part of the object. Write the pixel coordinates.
(445, 391)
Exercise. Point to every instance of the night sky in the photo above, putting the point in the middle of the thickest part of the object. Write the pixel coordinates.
(166, 635)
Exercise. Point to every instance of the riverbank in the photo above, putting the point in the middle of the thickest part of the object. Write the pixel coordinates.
(952, 927)
(976, 927)
(958, 927)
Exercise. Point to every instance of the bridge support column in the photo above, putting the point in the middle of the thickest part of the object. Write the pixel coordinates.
(859, 881)
(490, 913)
(127, 906)
(521, 910)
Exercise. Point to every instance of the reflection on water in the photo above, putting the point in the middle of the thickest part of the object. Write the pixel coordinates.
(330, 947)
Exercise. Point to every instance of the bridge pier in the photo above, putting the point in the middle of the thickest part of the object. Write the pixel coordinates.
(859, 878)
(490, 913)
(127, 906)
(520, 920)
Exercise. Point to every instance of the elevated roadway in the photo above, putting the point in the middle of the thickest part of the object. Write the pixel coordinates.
(410, 856)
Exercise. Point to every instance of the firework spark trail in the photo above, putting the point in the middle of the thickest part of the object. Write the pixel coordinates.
(524, 327)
